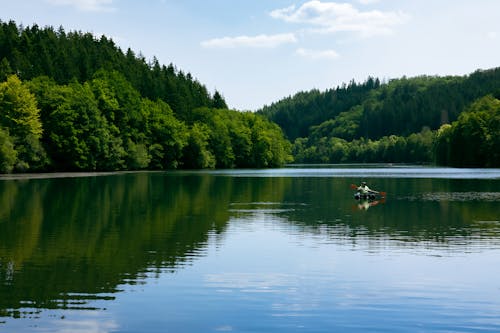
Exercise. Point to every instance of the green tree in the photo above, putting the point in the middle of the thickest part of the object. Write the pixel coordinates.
(20, 115)
(196, 152)
(218, 101)
(5, 69)
(442, 145)
(219, 138)
(138, 156)
(120, 103)
(79, 135)
(473, 139)
(241, 139)
(19, 109)
(8, 155)
(269, 147)
(166, 135)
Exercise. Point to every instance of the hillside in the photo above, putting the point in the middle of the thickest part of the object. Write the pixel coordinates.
(373, 110)
(395, 121)
(74, 102)
(295, 115)
(64, 56)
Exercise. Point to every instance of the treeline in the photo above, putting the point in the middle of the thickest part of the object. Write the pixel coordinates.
(405, 106)
(416, 148)
(105, 124)
(474, 139)
(71, 102)
(389, 122)
(30, 52)
(372, 109)
(296, 114)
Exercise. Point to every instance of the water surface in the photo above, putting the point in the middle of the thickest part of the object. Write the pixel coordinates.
(285, 250)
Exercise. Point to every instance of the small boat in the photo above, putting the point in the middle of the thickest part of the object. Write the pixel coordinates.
(365, 196)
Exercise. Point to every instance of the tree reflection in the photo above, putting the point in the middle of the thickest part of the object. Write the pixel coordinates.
(65, 242)
(64, 239)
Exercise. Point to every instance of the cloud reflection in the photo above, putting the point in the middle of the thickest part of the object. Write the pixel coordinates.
(85, 325)
(252, 282)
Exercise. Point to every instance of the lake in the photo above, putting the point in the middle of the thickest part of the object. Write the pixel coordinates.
(280, 250)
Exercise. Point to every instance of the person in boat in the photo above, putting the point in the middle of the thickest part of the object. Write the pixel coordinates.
(365, 191)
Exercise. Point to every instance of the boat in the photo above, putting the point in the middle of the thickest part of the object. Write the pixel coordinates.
(365, 196)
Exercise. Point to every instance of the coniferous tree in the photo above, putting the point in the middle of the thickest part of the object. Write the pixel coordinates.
(63, 56)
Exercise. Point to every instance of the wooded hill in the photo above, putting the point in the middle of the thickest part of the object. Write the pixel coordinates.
(71, 101)
(395, 121)
(63, 56)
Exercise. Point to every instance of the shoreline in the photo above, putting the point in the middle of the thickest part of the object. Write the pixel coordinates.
(65, 174)
(382, 170)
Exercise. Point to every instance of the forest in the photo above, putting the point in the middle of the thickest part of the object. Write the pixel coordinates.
(72, 102)
(453, 120)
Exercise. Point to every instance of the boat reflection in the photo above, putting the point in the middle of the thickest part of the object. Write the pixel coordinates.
(365, 204)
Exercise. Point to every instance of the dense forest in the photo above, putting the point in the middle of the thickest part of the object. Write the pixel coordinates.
(70, 102)
(30, 52)
(424, 119)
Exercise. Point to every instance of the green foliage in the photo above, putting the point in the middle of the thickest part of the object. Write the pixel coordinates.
(473, 140)
(32, 52)
(138, 156)
(20, 115)
(396, 121)
(295, 115)
(166, 135)
(373, 110)
(218, 101)
(240, 135)
(416, 148)
(78, 135)
(344, 126)
(19, 109)
(8, 155)
(237, 139)
(269, 149)
(218, 124)
(103, 109)
(442, 145)
(5, 69)
(196, 153)
(120, 103)
(105, 124)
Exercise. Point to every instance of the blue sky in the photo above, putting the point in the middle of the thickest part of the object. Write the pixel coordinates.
(256, 52)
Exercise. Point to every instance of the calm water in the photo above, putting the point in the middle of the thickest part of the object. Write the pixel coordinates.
(285, 250)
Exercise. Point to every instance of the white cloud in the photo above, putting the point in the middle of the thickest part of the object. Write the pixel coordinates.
(86, 5)
(333, 17)
(492, 35)
(317, 54)
(259, 41)
(368, 2)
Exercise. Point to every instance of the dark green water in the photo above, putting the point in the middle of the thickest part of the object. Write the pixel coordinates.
(285, 250)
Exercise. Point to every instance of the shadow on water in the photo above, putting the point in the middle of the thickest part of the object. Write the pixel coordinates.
(65, 242)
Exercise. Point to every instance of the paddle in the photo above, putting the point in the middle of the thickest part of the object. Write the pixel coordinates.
(355, 187)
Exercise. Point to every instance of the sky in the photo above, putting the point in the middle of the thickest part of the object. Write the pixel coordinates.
(256, 52)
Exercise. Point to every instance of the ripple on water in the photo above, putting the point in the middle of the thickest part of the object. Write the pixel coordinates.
(263, 207)
(457, 196)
